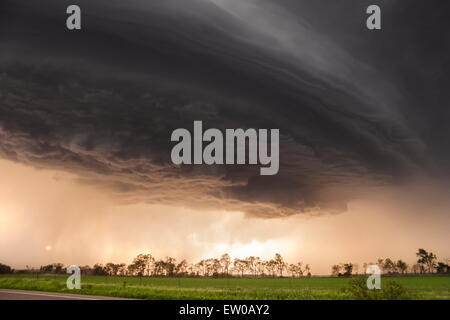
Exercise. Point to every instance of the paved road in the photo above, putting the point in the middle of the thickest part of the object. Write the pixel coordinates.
(6, 294)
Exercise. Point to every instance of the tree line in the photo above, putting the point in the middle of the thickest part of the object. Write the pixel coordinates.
(145, 265)
(426, 263)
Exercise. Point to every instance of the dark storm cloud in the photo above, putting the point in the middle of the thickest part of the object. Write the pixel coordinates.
(355, 109)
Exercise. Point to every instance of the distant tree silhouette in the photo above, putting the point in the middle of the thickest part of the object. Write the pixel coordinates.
(201, 267)
(113, 269)
(99, 270)
(348, 269)
(280, 265)
(169, 266)
(307, 270)
(271, 267)
(260, 269)
(336, 270)
(240, 266)
(427, 259)
(57, 268)
(380, 264)
(131, 270)
(251, 265)
(215, 267)
(402, 267)
(442, 267)
(297, 270)
(389, 266)
(181, 268)
(5, 269)
(417, 268)
(164, 267)
(365, 264)
(143, 264)
(147, 265)
(225, 262)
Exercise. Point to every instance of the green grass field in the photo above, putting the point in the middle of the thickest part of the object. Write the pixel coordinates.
(426, 287)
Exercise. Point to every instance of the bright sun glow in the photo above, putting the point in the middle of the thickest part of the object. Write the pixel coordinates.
(263, 249)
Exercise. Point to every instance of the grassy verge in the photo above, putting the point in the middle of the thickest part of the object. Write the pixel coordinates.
(429, 287)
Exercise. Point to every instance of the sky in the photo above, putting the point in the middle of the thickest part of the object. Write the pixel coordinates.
(86, 118)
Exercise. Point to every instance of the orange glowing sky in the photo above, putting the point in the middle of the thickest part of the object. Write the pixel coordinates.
(46, 216)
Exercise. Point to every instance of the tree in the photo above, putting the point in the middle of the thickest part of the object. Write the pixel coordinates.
(348, 269)
(240, 266)
(169, 266)
(259, 267)
(159, 267)
(307, 270)
(297, 270)
(401, 266)
(215, 267)
(292, 268)
(427, 259)
(181, 268)
(417, 268)
(380, 264)
(336, 270)
(365, 267)
(442, 267)
(355, 268)
(131, 269)
(279, 264)
(140, 265)
(47, 268)
(201, 266)
(122, 270)
(112, 268)
(209, 267)
(143, 264)
(191, 269)
(225, 262)
(300, 269)
(389, 266)
(270, 266)
(251, 264)
(57, 268)
(5, 269)
(99, 270)
(85, 270)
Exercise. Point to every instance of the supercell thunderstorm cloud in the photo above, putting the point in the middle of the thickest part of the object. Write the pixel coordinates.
(358, 111)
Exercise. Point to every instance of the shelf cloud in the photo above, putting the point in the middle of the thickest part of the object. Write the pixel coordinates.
(358, 111)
